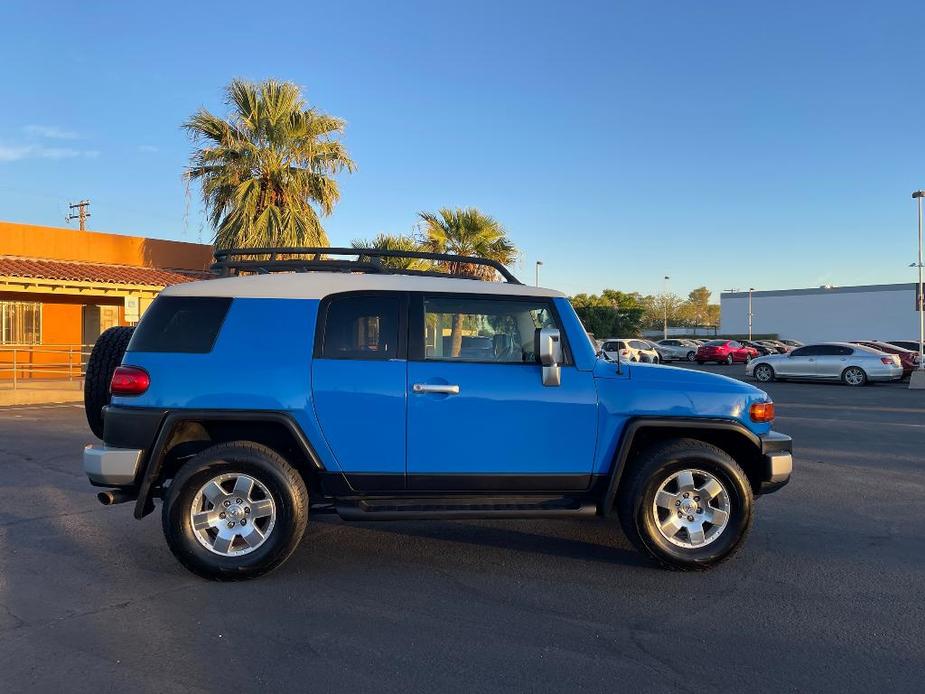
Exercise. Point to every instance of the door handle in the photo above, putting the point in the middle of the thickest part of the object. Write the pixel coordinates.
(435, 388)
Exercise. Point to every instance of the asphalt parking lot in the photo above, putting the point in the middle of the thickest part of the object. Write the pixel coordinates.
(827, 595)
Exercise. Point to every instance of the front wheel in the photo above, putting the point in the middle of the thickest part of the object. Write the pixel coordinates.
(764, 373)
(686, 503)
(854, 376)
(235, 511)
(729, 360)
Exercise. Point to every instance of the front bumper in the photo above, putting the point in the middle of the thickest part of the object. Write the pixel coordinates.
(106, 466)
(777, 455)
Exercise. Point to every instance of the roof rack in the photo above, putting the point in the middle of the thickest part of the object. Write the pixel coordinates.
(369, 260)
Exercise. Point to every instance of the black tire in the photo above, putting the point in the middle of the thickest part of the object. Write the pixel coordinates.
(691, 356)
(650, 469)
(861, 376)
(729, 360)
(768, 373)
(104, 358)
(285, 486)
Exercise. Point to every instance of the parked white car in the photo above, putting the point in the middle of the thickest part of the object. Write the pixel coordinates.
(630, 349)
(677, 350)
(854, 365)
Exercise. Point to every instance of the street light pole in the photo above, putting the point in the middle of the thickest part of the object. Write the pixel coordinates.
(665, 307)
(536, 277)
(920, 295)
(750, 290)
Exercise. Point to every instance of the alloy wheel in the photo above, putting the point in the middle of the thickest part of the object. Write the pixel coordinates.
(232, 514)
(854, 376)
(691, 508)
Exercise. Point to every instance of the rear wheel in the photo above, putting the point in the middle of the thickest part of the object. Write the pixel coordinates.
(729, 359)
(235, 511)
(690, 356)
(854, 376)
(686, 503)
(104, 358)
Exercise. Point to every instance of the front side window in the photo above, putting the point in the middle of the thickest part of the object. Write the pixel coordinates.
(362, 327)
(484, 329)
(20, 323)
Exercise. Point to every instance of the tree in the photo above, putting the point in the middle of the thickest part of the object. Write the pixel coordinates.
(612, 313)
(660, 306)
(466, 232)
(393, 242)
(695, 311)
(266, 167)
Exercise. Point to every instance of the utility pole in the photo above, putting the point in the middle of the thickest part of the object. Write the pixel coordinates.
(665, 307)
(750, 290)
(81, 214)
(917, 379)
(536, 278)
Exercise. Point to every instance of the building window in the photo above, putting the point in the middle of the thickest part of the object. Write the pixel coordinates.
(20, 323)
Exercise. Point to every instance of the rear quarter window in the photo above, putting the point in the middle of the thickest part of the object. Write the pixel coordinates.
(180, 324)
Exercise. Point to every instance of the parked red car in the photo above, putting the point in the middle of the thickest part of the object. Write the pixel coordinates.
(725, 352)
(908, 358)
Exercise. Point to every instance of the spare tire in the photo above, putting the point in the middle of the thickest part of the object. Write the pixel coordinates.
(105, 357)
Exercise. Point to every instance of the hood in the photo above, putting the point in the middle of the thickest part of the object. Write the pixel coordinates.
(655, 390)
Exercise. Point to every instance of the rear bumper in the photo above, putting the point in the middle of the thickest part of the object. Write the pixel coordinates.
(887, 373)
(777, 455)
(106, 466)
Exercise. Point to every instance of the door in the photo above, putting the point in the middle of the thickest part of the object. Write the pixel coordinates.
(831, 360)
(359, 384)
(479, 416)
(801, 363)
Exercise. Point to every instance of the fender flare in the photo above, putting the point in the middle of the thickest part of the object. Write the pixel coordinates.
(635, 424)
(154, 459)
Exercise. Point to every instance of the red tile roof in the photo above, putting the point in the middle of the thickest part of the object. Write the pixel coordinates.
(93, 272)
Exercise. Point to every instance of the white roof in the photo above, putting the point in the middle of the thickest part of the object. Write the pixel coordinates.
(317, 285)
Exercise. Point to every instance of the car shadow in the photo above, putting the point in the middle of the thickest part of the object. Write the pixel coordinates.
(480, 534)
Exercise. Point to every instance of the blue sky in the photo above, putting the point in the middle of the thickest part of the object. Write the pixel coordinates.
(731, 144)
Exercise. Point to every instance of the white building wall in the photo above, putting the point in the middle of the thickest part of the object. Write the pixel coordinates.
(878, 312)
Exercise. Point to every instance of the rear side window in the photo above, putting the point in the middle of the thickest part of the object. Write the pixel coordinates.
(361, 327)
(180, 324)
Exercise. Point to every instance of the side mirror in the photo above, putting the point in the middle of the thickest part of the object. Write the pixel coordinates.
(548, 348)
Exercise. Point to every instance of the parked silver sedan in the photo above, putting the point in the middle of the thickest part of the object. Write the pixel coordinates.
(677, 350)
(851, 364)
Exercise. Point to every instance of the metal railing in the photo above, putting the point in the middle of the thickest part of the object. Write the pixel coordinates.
(41, 363)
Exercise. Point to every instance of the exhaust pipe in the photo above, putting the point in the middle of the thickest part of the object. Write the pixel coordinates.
(115, 496)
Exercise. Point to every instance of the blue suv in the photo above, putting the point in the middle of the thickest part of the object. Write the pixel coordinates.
(299, 382)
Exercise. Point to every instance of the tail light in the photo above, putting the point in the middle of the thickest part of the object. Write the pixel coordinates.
(761, 411)
(889, 361)
(129, 380)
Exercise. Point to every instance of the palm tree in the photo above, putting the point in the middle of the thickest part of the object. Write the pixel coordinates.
(266, 168)
(391, 242)
(466, 232)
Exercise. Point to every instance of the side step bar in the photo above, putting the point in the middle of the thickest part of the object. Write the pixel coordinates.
(464, 507)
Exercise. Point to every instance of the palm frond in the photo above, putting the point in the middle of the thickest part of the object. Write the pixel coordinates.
(266, 170)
